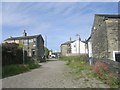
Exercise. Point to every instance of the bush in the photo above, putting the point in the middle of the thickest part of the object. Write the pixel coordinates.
(33, 64)
(12, 54)
(100, 69)
(102, 72)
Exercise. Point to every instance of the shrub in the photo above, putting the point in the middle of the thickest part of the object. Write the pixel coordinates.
(13, 70)
(102, 72)
(12, 54)
(100, 68)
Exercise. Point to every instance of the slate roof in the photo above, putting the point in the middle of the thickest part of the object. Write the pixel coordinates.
(68, 42)
(22, 37)
(109, 15)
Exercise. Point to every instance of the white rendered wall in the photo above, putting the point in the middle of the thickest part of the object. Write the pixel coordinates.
(75, 47)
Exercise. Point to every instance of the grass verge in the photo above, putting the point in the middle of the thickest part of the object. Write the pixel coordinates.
(77, 64)
(11, 70)
(99, 71)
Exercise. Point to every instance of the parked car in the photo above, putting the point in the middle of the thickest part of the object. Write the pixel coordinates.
(53, 56)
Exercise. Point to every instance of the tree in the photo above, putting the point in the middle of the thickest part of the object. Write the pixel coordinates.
(20, 45)
(46, 52)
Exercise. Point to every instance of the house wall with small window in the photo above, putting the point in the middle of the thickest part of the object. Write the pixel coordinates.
(78, 47)
(64, 49)
(105, 37)
(34, 45)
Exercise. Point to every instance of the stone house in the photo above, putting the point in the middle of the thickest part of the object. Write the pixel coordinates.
(66, 48)
(78, 47)
(34, 45)
(106, 37)
(73, 48)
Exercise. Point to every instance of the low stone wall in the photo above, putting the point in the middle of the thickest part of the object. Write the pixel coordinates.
(113, 66)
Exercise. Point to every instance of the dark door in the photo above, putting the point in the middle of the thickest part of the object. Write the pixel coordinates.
(33, 52)
(117, 57)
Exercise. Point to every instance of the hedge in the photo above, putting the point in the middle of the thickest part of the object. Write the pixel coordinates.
(12, 54)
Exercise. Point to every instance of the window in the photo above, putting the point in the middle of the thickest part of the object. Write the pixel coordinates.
(25, 42)
(116, 56)
(74, 45)
(31, 40)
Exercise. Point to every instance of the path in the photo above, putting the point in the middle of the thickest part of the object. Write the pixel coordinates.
(52, 74)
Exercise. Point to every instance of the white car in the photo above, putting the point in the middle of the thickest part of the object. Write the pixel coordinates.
(53, 56)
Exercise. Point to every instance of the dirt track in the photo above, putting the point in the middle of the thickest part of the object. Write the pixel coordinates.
(52, 74)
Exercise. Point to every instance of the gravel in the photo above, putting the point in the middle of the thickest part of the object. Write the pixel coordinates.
(52, 74)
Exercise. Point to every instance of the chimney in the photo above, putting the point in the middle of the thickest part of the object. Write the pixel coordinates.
(70, 39)
(10, 36)
(24, 33)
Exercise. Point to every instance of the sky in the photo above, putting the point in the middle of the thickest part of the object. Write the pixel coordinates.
(58, 21)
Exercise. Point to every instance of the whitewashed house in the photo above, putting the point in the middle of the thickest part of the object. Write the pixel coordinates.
(74, 48)
(78, 47)
(89, 47)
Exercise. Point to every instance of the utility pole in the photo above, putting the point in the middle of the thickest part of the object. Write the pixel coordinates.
(46, 46)
(79, 43)
(23, 53)
(46, 41)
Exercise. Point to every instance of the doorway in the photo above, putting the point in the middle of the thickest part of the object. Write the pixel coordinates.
(116, 56)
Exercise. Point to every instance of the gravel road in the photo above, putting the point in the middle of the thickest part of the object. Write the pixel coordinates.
(52, 74)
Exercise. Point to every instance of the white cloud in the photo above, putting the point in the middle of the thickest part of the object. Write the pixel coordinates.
(60, 0)
(15, 19)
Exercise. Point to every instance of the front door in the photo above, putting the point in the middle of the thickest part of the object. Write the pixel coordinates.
(33, 52)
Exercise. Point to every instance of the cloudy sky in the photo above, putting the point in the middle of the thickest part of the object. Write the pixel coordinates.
(58, 21)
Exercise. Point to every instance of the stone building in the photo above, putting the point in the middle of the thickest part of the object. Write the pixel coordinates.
(73, 48)
(106, 37)
(66, 48)
(34, 45)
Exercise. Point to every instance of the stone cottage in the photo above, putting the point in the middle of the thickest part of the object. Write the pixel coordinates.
(34, 45)
(73, 48)
(106, 37)
(66, 48)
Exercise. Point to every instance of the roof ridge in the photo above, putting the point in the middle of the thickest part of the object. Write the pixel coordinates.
(22, 37)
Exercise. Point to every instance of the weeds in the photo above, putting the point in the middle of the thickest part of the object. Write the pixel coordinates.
(99, 70)
(15, 69)
(77, 63)
(102, 72)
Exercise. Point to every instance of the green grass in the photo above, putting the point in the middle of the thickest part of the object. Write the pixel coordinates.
(11, 70)
(78, 65)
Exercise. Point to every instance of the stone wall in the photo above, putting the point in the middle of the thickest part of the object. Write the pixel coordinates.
(64, 50)
(119, 33)
(112, 36)
(40, 48)
(113, 66)
(105, 36)
(99, 38)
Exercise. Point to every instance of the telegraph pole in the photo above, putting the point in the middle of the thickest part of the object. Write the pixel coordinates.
(79, 43)
(23, 53)
(46, 41)
(45, 46)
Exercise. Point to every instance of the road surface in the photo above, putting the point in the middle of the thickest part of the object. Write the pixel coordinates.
(52, 74)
